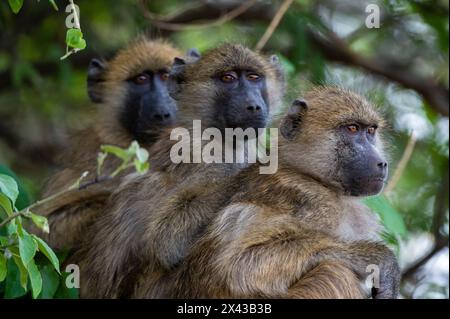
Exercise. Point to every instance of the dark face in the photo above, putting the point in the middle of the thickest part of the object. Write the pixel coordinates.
(363, 170)
(242, 99)
(148, 106)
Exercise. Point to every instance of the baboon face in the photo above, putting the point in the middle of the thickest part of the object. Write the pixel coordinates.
(362, 166)
(135, 84)
(333, 136)
(241, 98)
(239, 87)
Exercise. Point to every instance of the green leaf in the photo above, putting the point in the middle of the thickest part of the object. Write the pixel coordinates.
(50, 282)
(117, 151)
(3, 269)
(142, 155)
(22, 272)
(74, 39)
(63, 292)
(15, 5)
(48, 252)
(5, 203)
(141, 167)
(35, 278)
(13, 288)
(27, 248)
(8, 186)
(391, 218)
(41, 222)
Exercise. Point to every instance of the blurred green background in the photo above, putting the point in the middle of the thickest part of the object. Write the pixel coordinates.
(401, 66)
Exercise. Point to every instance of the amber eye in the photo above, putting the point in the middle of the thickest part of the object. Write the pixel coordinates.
(164, 76)
(141, 79)
(228, 77)
(371, 130)
(253, 77)
(353, 128)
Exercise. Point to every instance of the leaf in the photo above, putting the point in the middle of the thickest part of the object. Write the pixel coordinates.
(15, 5)
(23, 273)
(74, 39)
(35, 278)
(142, 155)
(117, 151)
(392, 219)
(48, 252)
(23, 200)
(50, 282)
(27, 248)
(3, 269)
(140, 167)
(8, 186)
(41, 222)
(13, 288)
(5, 203)
(63, 292)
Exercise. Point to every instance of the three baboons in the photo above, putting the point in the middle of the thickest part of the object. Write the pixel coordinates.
(223, 230)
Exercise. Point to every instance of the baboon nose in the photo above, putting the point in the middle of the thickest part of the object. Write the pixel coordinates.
(382, 166)
(162, 117)
(254, 108)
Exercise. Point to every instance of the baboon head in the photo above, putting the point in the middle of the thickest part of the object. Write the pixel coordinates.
(228, 87)
(333, 135)
(132, 88)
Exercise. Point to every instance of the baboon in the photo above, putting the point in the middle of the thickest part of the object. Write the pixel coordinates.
(301, 232)
(133, 104)
(153, 218)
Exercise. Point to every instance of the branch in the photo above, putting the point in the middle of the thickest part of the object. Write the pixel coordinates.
(402, 163)
(166, 23)
(273, 24)
(335, 49)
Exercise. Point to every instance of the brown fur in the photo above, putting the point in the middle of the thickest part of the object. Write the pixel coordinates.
(69, 218)
(154, 218)
(292, 234)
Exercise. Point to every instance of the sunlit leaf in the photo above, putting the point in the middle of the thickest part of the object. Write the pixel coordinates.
(3, 269)
(15, 5)
(392, 219)
(8, 186)
(35, 278)
(48, 252)
(27, 248)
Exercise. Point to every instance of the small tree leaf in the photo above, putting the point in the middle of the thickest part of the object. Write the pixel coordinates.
(3, 269)
(50, 282)
(74, 39)
(27, 248)
(48, 252)
(35, 279)
(13, 287)
(15, 5)
(117, 151)
(53, 3)
(142, 155)
(392, 220)
(23, 273)
(41, 222)
(8, 186)
(5, 204)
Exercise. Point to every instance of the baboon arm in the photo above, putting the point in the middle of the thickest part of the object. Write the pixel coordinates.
(328, 280)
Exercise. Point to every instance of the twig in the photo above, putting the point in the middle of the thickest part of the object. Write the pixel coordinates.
(164, 24)
(402, 163)
(53, 198)
(273, 24)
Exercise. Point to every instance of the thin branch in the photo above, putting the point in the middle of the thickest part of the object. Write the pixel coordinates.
(164, 24)
(402, 163)
(273, 24)
(11, 218)
(335, 49)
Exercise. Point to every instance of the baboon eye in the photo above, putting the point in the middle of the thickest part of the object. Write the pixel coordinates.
(253, 77)
(141, 79)
(228, 77)
(371, 130)
(164, 76)
(353, 128)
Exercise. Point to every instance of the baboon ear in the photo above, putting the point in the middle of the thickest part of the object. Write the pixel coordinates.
(96, 76)
(176, 78)
(290, 125)
(193, 53)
